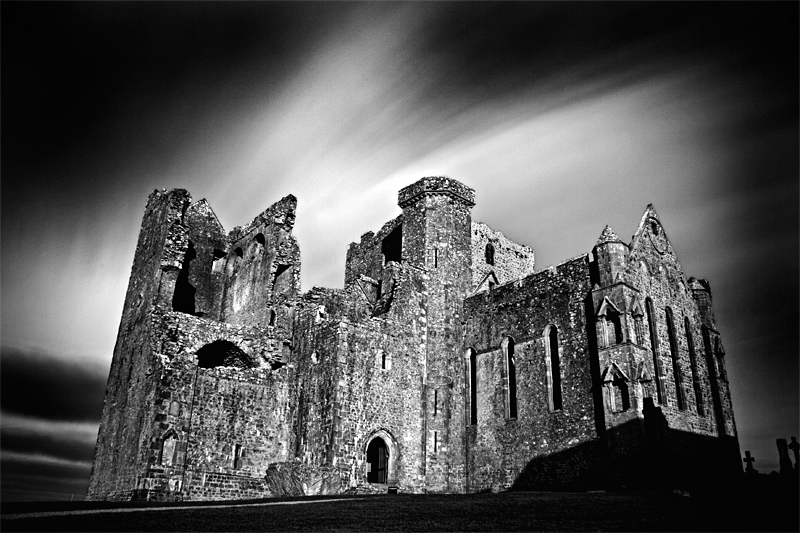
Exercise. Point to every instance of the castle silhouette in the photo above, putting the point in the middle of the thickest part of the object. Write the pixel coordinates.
(447, 363)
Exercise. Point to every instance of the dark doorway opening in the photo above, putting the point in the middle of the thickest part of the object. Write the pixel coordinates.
(378, 460)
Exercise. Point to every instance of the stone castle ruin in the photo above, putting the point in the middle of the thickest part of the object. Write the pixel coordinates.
(447, 363)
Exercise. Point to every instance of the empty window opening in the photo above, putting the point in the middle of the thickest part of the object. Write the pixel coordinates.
(238, 454)
(615, 326)
(620, 398)
(260, 239)
(435, 258)
(654, 227)
(222, 353)
(698, 391)
(282, 279)
(511, 379)
(169, 450)
(392, 245)
(271, 317)
(473, 387)
(676, 370)
(654, 347)
(435, 402)
(218, 264)
(384, 363)
(239, 253)
(377, 461)
(554, 370)
(435, 442)
(489, 253)
(183, 297)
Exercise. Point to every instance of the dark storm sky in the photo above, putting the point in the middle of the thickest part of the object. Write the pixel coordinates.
(564, 117)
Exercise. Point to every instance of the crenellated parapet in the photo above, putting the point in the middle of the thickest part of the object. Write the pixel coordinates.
(436, 185)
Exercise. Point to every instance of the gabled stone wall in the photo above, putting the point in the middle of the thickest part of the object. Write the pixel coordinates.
(533, 448)
(504, 258)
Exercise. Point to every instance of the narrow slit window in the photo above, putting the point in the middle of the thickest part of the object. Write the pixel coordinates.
(554, 370)
(511, 379)
(473, 387)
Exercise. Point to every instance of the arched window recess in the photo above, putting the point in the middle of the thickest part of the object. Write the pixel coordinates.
(609, 319)
(489, 253)
(615, 388)
(507, 347)
(553, 364)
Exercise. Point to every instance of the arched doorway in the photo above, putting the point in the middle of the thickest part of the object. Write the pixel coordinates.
(378, 460)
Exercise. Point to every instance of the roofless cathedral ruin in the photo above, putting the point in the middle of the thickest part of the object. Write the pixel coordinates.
(447, 363)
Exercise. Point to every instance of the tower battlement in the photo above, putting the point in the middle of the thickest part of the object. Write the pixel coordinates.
(436, 185)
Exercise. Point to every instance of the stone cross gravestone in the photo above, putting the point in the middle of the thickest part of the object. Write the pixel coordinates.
(749, 460)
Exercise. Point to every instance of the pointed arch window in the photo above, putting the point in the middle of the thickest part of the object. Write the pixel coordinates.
(654, 347)
(615, 384)
(511, 378)
(554, 397)
(698, 391)
(675, 354)
(609, 322)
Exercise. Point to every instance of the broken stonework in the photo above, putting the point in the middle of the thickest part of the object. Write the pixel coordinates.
(445, 364)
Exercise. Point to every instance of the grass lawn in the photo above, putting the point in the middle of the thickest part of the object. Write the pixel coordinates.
(509, 511)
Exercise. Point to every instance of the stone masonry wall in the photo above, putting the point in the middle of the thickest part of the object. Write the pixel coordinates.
(129, 396)
(262, 269)
(510, 260)
(357, 380)
(232, 422)
(540, 447)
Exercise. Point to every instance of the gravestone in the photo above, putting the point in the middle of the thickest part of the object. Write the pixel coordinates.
(783, 453)
(749, 470)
